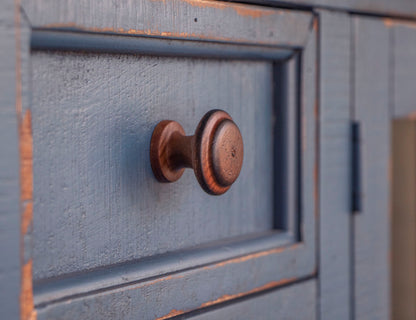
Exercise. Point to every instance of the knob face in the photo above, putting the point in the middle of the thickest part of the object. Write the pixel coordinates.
(227, 153)
(215, 152)
(213, 160)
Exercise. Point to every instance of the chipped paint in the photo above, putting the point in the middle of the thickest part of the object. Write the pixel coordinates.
(390, 23)
(161, 280)
(150, 283)
(315, 24)
(242, 10)
(180, 35)
(27, 311)
(152, 33)
(172, 313)
(27, 218)
(122, 31)
(228, 297)
(26, 143)
(251, 256)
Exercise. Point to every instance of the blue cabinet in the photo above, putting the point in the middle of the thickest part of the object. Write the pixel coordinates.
(89, 233)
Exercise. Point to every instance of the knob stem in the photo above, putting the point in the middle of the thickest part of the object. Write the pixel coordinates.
(180, 151)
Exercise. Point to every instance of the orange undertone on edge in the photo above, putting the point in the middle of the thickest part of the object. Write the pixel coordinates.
(27, 310)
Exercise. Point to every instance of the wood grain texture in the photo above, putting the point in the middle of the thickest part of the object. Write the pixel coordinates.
(284, 303)
(372, 225)
(334, 172)
(9, 169)
(93, 115)
(308, 215)
(123, 275)
(24, 116)
(61, 40)
(190, 19)
(404, 58)
(157, 297)
(96, 199)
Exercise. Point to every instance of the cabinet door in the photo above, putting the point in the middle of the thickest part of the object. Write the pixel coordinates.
(356, 90)
(108, 240)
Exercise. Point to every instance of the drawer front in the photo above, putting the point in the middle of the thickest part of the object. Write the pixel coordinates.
(105, 231)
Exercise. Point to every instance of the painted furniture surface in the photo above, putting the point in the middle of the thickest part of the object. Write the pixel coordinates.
(87, 232)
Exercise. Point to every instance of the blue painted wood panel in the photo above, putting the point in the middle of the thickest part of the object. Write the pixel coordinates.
(96, 200)
(371, 228)
(10, 210)
(335, 217)
(191, 19)
(295, 302)
(98, 263)
(403, 59)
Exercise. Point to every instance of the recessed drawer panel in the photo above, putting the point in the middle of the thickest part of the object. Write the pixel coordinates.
(96, 199)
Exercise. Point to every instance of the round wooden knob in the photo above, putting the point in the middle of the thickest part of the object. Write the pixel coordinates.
(215, 151)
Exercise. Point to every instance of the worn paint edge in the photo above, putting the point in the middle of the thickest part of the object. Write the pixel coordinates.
(27, 310)
(228, 297)
(252, 11)
(146, 283)
(251, 256)
(74, 27)
(214, 266)
(390, 23)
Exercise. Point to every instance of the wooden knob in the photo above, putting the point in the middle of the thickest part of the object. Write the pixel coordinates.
(215, 151)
